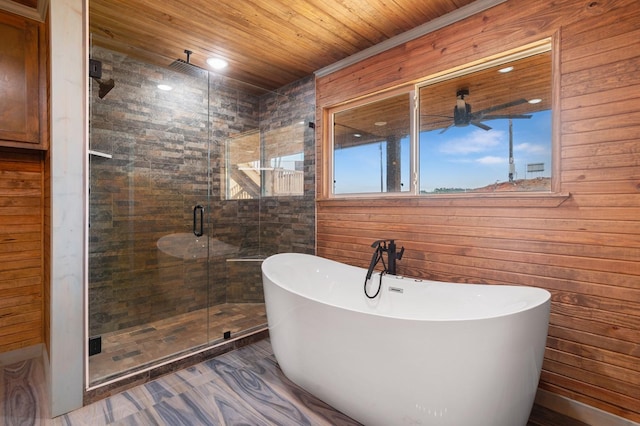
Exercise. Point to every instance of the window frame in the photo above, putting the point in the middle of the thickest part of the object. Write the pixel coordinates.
(548, 44)
(408, 90)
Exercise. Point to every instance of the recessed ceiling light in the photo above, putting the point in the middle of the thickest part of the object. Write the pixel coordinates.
(380, 123)
(535, 101)
(505, 69)
(357, 135)
(217, 63)
(165, 87)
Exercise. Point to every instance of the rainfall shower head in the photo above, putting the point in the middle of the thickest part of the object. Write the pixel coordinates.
(187, 67)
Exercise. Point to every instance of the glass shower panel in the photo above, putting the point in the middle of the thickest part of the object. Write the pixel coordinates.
(148, 201)
(260, 207)
(236, 302)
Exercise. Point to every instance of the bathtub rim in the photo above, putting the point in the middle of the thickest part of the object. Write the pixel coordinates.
(542, 299)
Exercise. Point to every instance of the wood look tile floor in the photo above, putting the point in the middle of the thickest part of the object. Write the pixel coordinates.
(134, 348)
(242, 387)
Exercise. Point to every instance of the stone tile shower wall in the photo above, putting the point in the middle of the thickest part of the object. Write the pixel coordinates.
(287, 223)
(148, 189)
(159, 172)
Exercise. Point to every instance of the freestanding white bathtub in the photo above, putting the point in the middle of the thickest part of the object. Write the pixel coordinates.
(421, 353)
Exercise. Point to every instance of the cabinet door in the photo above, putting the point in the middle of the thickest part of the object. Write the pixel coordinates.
(19, 101)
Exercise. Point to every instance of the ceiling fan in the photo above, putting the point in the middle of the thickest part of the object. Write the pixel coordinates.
(462, 115)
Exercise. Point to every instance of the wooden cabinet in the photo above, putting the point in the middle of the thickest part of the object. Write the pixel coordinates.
(22, 83)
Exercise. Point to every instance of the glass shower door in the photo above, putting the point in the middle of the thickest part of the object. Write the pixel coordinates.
(236, 297)
(193, 180)
(149, 213)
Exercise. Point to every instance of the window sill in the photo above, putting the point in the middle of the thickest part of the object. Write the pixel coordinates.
(522, 200)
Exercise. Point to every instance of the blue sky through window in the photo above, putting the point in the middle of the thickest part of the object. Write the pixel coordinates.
(469, 157)
(461, 158)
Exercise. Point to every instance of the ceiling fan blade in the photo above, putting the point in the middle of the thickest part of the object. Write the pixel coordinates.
(502, 106)
(505, 116)
(479, 124)
(446, 128)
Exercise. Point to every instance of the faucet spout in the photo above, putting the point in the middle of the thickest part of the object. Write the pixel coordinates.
(393, 256)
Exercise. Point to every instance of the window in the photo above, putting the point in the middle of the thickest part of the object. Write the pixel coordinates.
(283, 155)
(242, 166)
(483, 128)
(371, 147)
(269, 163)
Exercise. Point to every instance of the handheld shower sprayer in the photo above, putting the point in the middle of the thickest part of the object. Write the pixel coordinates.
(380, 247)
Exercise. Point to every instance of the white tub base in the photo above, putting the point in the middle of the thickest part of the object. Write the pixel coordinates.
(433, 354)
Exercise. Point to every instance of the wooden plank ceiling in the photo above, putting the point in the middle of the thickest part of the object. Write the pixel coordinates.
(271, 43)
(268, 43)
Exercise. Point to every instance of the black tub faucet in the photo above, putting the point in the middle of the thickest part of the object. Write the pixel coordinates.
(388, 247)
(389, 267)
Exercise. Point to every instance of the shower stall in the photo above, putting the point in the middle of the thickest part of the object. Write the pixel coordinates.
(193, 179)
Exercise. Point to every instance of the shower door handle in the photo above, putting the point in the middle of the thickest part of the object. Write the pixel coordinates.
(198, 232)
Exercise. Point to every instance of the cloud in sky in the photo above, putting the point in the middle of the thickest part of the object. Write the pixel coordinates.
(491, 159)
(475, 142)
(530, 148)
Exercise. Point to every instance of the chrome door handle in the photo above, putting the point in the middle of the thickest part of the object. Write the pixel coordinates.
(196, 209)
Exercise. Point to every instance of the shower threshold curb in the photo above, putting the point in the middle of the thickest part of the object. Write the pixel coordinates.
(104, 390)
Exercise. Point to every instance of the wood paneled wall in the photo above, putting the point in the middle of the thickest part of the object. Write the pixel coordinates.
(583, 246)
(21, 233)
